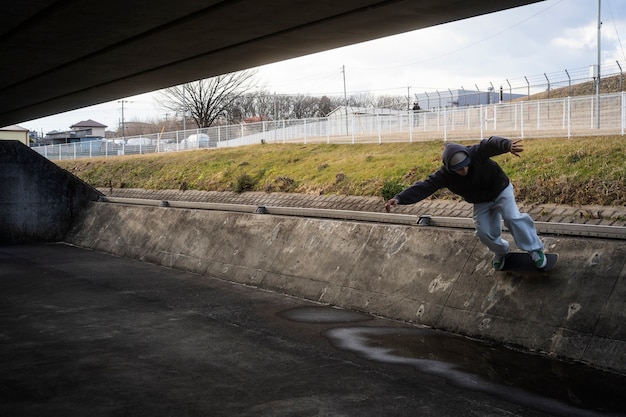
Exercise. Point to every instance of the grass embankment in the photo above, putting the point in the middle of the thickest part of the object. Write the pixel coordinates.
(576, 171)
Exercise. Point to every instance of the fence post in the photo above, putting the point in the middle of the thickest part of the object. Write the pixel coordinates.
(569, 117)
(445, 124)
(495, 118)
(283, 131)
(521, 107)
(353, 118)
(538, 116)
(482, 121)
(623, 106)
(328, 130)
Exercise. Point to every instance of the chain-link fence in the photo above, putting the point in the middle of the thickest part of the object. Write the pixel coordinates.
(564, 117)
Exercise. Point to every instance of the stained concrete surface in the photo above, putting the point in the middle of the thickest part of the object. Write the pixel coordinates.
(437, 277)
(86, 333)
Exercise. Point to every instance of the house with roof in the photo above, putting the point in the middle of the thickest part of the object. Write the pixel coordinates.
(85, 131)
(14, 132)
(89, 128)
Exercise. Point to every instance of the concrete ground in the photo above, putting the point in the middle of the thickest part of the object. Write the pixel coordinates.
(89, 334)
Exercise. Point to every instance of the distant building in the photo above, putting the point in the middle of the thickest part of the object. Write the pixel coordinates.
(84, 131)
(463, 98)
(14, 132)
(351, 119)
(89, 128)
(351, 111)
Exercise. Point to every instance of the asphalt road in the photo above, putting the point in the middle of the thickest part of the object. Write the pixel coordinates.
(87, 334)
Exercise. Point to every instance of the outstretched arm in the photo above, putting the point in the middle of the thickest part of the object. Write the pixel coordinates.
(418, 191)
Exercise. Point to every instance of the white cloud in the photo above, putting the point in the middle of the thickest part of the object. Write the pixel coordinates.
(585, 37)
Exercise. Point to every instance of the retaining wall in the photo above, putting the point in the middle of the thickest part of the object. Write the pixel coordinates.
(37, 198)
(437, 277)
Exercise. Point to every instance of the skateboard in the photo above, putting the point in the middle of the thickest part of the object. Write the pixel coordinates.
(521, 261)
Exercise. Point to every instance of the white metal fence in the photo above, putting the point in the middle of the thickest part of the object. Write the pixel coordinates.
(565, 117)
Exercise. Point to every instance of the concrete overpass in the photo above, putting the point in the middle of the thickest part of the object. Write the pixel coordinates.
(63, 55)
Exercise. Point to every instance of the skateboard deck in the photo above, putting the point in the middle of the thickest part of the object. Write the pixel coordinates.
(521, 261)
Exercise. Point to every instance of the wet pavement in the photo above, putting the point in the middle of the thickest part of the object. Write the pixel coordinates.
(89, 334)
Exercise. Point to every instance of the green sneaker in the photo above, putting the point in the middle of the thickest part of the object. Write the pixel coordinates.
(498, 262)
(539, 258)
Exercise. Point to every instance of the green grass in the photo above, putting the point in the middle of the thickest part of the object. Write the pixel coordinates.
(563, 171)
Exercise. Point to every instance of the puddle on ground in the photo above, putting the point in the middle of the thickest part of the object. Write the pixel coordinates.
(323, 314)
(552, 386)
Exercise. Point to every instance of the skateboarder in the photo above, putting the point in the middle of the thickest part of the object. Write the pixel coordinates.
(469, 172)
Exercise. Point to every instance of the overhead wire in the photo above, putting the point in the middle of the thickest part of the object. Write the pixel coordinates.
(616, 31)
(465, 47)
(411, 64)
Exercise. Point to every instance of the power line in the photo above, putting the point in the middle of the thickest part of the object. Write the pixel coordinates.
(621, 48)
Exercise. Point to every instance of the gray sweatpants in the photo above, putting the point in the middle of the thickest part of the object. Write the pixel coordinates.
(488, 219)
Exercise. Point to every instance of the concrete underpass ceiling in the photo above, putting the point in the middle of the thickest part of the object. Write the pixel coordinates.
(63, 55)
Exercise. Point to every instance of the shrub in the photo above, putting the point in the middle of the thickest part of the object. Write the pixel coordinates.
(391, 188)
(244, 182)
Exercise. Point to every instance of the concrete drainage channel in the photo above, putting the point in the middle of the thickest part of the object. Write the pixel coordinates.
(562, 229)
(387, 265)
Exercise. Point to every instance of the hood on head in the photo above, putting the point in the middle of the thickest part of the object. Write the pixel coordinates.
(450, 158)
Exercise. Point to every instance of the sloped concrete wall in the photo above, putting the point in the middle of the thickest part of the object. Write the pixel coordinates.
(37, 198)
(437, 277)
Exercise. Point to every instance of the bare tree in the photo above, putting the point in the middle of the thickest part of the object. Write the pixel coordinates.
(391, 102)
(210, 99)
(326, 105)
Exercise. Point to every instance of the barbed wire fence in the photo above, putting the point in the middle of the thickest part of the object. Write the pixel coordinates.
(580, 114)
(578, 81)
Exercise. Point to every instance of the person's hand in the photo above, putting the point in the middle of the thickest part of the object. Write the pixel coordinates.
(390, 203)
(517, 147)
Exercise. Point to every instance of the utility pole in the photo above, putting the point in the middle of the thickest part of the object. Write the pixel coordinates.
(345, 95)
(123, 122)
(184, 111)
(408, 98)
(599, 55)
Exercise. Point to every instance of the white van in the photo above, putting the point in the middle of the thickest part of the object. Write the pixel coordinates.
(200, 140)
(139, 142)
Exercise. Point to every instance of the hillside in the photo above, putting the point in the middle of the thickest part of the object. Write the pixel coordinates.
(607, 85)
(577, 171)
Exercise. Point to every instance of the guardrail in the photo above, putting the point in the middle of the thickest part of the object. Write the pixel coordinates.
(552, 228)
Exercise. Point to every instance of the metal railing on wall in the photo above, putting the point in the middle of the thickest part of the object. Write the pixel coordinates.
(564, 117)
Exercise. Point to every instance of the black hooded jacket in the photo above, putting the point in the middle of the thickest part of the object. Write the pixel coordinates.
(484, 181)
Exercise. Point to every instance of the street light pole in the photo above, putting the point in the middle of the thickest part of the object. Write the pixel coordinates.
(599, 55)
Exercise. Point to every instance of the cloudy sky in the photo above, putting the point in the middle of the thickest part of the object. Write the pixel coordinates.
(526, 43)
